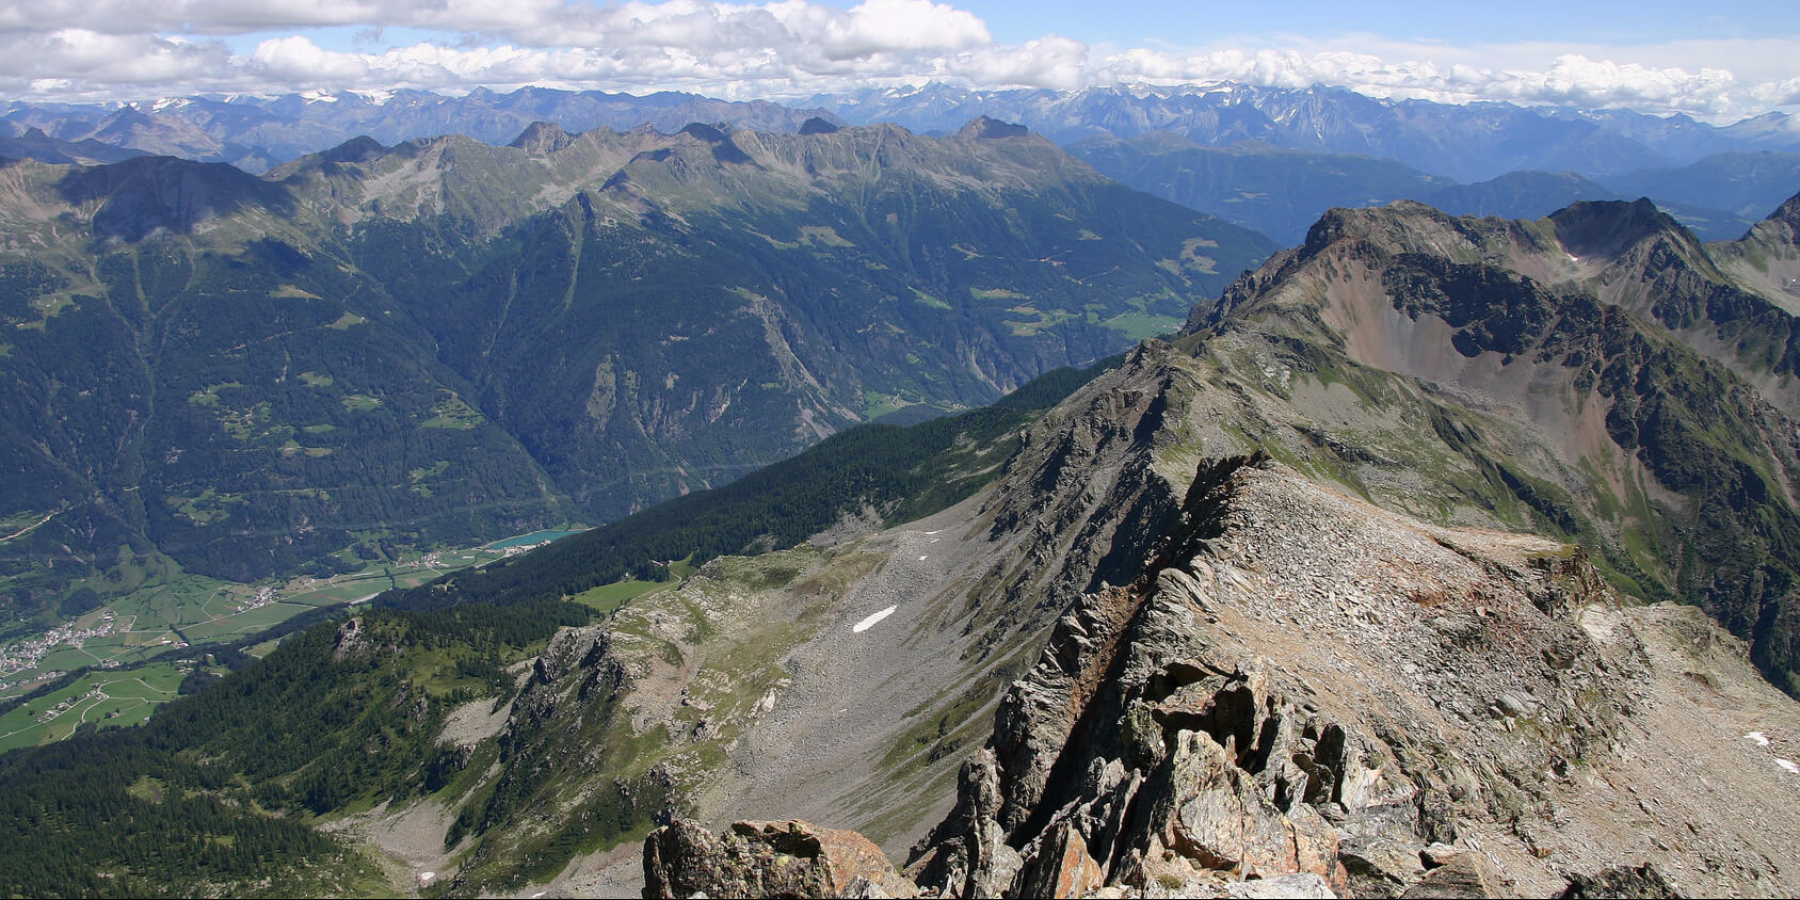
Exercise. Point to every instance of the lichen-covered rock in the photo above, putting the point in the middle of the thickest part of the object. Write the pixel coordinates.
(966, 854)
(1304, 886)
(1213, 813)
(1467, 876)
(767, 859)
(1620, 883)
(1380, 866)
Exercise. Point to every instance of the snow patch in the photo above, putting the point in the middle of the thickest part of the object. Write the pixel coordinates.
(867, 623)
(426, 876)
(1761, 739)
(1788, 764)
(923, 558)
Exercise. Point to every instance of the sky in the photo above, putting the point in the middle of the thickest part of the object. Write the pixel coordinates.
(1719, 63)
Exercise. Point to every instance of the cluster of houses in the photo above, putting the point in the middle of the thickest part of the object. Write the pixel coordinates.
(26, 654)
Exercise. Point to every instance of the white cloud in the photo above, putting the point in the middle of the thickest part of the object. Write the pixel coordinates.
(299, 61)
(127, 49)
(1050, 62)
(1570, 79)
(78, 56)
(248, 16)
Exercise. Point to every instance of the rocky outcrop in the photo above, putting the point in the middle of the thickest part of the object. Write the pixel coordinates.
(1642, 882)
(767, 859)
(1605, 339)
(1304, 695)
(1300, 686)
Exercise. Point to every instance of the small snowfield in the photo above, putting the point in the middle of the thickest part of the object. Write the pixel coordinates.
(869, 622)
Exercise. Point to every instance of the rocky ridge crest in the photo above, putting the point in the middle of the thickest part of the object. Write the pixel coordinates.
(1313, 694)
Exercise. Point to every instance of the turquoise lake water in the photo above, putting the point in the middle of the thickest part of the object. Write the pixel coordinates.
(525, 540)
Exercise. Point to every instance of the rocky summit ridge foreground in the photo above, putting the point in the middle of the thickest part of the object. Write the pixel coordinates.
(1305, 695)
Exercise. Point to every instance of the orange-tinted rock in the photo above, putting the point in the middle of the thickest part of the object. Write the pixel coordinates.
(1062, 867)
(766, 859)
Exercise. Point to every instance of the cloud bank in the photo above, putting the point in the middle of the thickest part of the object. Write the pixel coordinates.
(134, 49)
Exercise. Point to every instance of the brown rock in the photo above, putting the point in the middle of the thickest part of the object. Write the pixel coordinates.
(1621, 882)
(1466, 875)
(1062, 867)
(767, 859)
(1218, 817)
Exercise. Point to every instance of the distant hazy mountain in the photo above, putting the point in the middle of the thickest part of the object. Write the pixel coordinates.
(1750, 185)
(1277, 192)
(1282, 192)
(255, 133)
(1468, 143)
(33, 143)
(1471, 142)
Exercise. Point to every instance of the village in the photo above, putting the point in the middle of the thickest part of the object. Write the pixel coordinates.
(265, 595)
(26, 654)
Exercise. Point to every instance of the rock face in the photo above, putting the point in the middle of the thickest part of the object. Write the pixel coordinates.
(1303, 685)
(1149, 746)
(1580, 363)
(767, 859)
(1304, 695)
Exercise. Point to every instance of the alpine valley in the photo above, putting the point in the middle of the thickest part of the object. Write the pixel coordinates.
(1432, 556)
(447, 341)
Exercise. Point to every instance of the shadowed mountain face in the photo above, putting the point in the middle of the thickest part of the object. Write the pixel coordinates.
(448, 340)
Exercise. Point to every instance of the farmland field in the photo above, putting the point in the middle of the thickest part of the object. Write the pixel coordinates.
(107, 699)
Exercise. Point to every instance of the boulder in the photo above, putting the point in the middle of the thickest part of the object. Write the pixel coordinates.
(1061, 868)
(1465, 875)
(767, 859)
(1215, 814)
(1621, 882)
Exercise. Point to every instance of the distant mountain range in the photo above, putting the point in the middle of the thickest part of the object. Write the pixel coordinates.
(1467, 143)
(1472, 142)
(1281, 192)
(257, 133)
(1268, 159)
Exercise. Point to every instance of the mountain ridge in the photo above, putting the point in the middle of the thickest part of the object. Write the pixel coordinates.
(376, 298)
